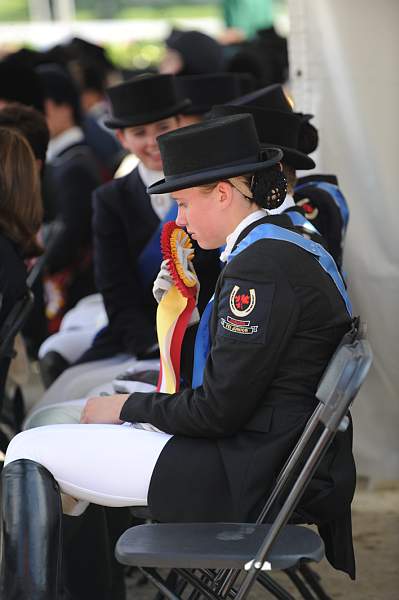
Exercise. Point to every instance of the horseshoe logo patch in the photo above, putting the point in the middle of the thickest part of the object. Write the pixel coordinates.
(242, 302)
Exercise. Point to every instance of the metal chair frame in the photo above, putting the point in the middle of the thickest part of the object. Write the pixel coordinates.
(338, 387)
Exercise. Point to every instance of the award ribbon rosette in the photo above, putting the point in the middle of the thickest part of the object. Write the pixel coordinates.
(177, 304)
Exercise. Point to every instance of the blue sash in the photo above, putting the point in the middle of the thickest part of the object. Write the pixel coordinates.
(263, 231)
(202, 345)
(150, 258)
(335, 193)
(301, 221)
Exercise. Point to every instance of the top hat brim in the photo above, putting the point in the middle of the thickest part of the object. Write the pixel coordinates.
(295, 158)
(180, 182)
(149, 117)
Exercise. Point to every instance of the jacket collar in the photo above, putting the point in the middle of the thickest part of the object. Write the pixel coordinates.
(64, 140)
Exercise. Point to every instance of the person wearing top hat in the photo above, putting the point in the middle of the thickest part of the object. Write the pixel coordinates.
(125, 220)
(317, 195)
(273, 97)
(277, 128)
(204, 91)
(281, 129)
(275, 320)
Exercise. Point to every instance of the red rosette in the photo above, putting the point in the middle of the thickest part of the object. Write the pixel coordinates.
(171, 237)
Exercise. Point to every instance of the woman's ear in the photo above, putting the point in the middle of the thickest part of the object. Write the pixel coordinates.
(225, 193)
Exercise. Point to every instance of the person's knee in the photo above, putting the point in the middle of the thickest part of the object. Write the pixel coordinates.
(65, 413)
(21, 446)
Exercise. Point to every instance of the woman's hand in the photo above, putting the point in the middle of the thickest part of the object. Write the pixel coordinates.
(104, 409)
(163, 282)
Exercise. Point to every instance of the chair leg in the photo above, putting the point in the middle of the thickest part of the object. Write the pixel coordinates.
(171, 582)
(313, 580)
(273, 587)
(31, 528)
(299, 584)
(155, 579)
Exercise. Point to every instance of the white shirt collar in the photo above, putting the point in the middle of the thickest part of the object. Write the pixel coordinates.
(232, 238)
(149, 176)
(67, 138)
(288, 203)
(160, 203)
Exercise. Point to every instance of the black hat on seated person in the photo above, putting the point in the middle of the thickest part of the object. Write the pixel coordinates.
(206, 90)
(275, 128)
(208, 151)
(144, 99)
(273, 97)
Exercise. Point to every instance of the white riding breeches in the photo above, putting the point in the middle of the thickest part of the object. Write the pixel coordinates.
(110, 465)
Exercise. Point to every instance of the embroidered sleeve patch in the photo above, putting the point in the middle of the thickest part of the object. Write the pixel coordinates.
(244, 310)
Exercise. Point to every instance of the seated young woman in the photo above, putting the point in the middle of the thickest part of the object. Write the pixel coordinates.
(277, 315)
(20, 218)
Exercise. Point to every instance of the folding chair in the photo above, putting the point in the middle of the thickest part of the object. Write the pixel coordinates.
(223, 560)
(13, 323)
(11, 326)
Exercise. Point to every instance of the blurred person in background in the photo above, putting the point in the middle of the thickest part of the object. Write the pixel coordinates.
(32, 125)
(191, 53)
(251, 42)
(245, 17)
(126, 230)
(74, 174)
(317, 195)
(20, 83)
(20, 218)
(91, 82)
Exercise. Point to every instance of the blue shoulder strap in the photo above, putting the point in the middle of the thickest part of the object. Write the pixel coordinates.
(151, 256)
(325, 259)
(335, 193)
(301, 221)
(263, 231)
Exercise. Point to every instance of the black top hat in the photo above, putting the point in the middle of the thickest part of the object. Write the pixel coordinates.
(206, 90)
(275, 128)
(273, 97)
(85, 50)
(208, 151)
(144, 99)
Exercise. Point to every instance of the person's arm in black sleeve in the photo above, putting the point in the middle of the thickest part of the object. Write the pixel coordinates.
(74, 212)
(240, 366)
(117, 279)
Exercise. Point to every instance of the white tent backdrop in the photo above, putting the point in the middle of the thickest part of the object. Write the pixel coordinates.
(344, 61)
